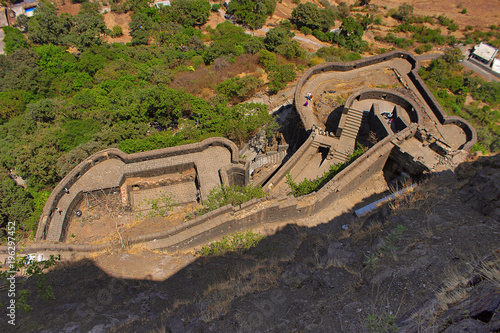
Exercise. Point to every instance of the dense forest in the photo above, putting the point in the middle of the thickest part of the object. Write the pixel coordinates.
(65, 93)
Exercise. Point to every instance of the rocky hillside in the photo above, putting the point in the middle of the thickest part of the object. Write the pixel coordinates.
(428, 262)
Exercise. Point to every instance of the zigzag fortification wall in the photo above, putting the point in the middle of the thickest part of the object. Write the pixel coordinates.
(232, 170)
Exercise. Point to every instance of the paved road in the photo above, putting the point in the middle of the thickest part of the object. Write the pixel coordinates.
(479, 70)
(472, 66)
(429, 56)
(308, 41)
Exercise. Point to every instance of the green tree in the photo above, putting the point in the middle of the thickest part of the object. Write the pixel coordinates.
(291, 49)
(277, 36)
(46, 27)
(252, 13)
(16, 204)
(87, 30)
(12, 103)
(311, 16)
(254, 45)
(239, 88)
(20, 71)
(452, 56)
(22, 22)
(191, 12)
(14, 39)
(351, 33)
(279, 76)
(344, 10)
(404, 13)
(44, 111)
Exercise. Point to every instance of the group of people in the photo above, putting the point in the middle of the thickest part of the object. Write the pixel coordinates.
(59, 210)
(309, 97)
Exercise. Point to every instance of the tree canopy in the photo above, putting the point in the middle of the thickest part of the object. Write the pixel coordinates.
(310, 15)
(252, 13)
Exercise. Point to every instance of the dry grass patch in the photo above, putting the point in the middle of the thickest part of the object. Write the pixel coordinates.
(206, 78)
(412, 198)
(216, 299)
(219, 295)
(455, 288)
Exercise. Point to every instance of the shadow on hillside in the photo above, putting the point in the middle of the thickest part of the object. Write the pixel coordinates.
(87, 298)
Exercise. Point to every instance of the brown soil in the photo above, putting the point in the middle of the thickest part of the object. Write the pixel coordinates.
(104, 219)
(214, 20)
(480, 14)
(67, 6)
(111, 19)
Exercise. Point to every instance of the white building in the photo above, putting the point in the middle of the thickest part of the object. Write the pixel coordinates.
(484, 53)
(160, 4)
(496, 66)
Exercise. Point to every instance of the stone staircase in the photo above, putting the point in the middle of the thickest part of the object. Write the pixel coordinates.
(347, 141)
(261, 160)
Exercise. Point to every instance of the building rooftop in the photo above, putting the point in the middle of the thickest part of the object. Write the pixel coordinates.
(485, 51)
(162, 3)
(496, 66)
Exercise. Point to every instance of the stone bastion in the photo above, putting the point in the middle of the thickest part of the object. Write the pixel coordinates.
(216, 161)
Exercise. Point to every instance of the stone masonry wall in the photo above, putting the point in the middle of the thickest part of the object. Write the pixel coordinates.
(149, 157)
(423, 90)
(257, 211)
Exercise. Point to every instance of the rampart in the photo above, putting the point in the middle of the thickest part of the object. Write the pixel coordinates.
(237, 171)
(257, 211)
(268, 210)
(422, 89)
(414, 111)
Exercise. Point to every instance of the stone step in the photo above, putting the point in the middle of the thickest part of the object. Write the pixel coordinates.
(354, 120)
(351, 135)
(356, 112)
(350, 130)
(351, 127)
(355, 116)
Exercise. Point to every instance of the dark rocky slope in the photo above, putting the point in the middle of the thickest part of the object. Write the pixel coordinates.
(428, 262)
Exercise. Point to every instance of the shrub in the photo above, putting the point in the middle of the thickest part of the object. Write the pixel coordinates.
(267, 59)
(221, 196)
(404, 12)
(239, 88)
(423, 48)
(238, 241)
(215, 7)
(383, 323)
(305, 30)
(279, 76)
(291, 49)
(453, 27)
(116, 31)
(254, 45)
(308, 186)
(14, 39)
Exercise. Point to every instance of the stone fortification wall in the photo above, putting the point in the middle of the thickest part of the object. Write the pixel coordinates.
(280, 174)
(239, 166)
(422, 89)
(257, 211)
(414, 111)
(268, 210)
